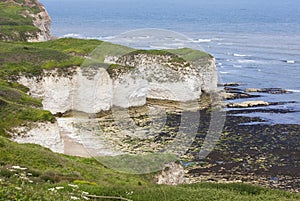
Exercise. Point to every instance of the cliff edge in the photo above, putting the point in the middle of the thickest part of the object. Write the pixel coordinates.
(24, 20)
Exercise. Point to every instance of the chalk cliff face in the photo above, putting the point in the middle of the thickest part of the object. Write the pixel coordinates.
(78, 91)
(41, 20)
(96, 89)
(168, 79)
(92, 90)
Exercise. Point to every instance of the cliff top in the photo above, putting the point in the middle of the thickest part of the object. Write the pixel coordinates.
(20, 20)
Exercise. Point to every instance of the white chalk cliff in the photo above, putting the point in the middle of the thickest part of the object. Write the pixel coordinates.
(96, 89)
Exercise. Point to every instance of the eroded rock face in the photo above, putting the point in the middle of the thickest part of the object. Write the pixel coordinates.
(92, 90)
(42, 21)
(167, 80)
(72, 90)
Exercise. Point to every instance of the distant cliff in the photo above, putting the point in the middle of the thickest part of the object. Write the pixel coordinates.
(24, 20)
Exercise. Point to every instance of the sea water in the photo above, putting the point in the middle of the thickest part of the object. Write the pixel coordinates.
(256, 43)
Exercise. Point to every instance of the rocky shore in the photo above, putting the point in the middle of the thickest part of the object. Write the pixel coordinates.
(249, 149)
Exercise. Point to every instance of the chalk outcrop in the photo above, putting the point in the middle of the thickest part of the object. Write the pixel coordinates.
(42, 21)
(44, 134)
(77, 91)
(138, 77)
(172, 174)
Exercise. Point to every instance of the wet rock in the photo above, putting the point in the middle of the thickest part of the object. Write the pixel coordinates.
(247, 104)
(232, 84)
(261, 110)
(231, 93)
(267, 90)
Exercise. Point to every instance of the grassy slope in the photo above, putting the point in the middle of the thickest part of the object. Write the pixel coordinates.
(50, 170)
(13, 25)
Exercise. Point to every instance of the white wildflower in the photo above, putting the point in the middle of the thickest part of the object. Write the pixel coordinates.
(51, 189)
(73, 186)
(59, 187)
(74, 198)
(18, 188)
(86, 198)
(16, 167)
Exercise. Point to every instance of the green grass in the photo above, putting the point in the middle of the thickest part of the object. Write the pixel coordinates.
(13, 24)
(32, 58)
(49, 170)
(18, 108)
(137, 164)
(71, 46)
(152, 52)
(190, 54)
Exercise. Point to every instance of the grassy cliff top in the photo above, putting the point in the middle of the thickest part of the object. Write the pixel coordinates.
(15, 20)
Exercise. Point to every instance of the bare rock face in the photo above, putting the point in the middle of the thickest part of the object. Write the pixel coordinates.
(42, 21)
(44, 134)
(77, 91)
(173, 174)
(95, 90)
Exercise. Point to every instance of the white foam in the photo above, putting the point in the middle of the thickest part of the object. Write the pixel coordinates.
(202, 40)
(72, 35)
(106, 38)
(237, 66)
(248, 61)
(294, 90)
(223, 72)
(241, 55)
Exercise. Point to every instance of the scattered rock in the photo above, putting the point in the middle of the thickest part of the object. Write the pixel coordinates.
(232, 84)
(173, 174)
(247, 104)
(267, 90)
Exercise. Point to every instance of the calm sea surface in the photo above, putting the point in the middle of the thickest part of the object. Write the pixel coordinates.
(255, 42)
